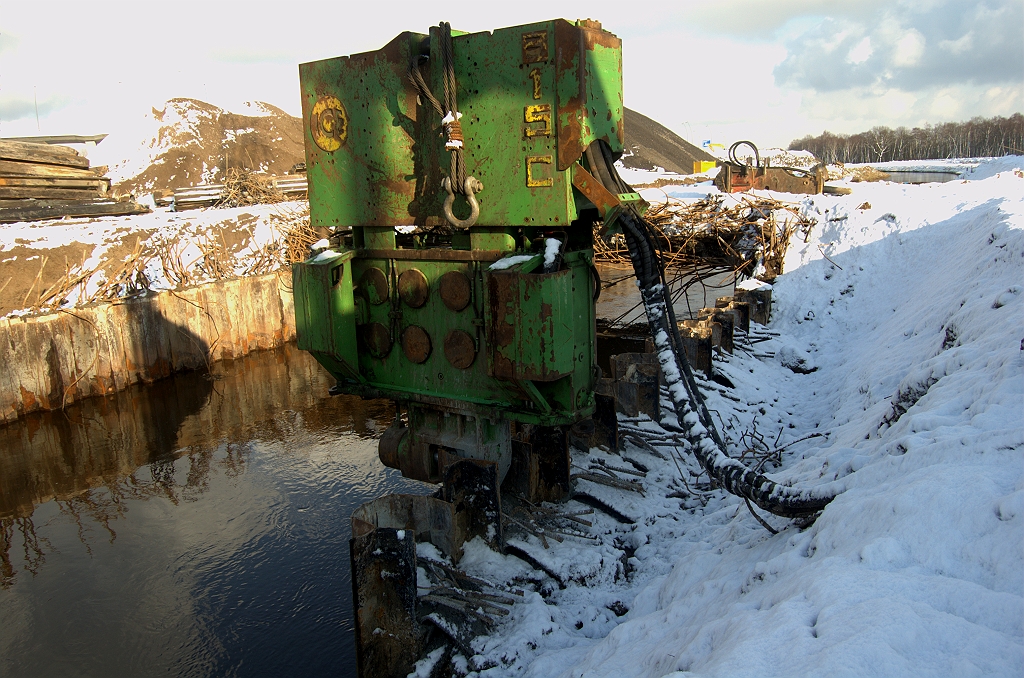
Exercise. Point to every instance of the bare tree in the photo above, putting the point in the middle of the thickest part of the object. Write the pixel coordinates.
(976, 137)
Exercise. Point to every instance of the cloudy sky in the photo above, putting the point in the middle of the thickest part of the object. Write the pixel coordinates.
(720, 69)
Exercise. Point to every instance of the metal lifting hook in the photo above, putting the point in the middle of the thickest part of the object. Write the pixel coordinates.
(472, 187)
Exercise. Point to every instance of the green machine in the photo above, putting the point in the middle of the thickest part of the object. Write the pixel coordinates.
(461, 177)
(459, 281)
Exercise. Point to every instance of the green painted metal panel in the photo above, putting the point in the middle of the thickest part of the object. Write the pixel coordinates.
(371, 178)
(533, 98)
(326, 311)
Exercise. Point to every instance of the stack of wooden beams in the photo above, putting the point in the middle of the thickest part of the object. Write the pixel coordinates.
(41, 181)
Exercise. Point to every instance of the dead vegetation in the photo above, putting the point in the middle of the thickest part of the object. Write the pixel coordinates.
(243, 188)
(868, 174)
(676, 181)
(182, 263)
(839, 171)
(708, 236)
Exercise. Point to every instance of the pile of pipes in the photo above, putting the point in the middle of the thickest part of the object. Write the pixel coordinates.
(45, 181)
(239, 189)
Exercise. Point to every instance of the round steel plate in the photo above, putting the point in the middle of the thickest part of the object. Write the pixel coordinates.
(377, 338)
(413, 287)
(455, 290)
(328, 123)
(374, 285)
(416, 344)
(460, 349)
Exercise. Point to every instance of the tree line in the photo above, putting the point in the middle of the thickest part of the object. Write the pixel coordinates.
(977, 137)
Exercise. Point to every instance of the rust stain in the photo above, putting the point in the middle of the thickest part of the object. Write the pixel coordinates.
(28, 399)
(502, 293)
(594, 37)
(590, 187)
(159, 369)
(100, 384)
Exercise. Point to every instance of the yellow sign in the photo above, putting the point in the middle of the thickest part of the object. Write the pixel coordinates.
(328, 123)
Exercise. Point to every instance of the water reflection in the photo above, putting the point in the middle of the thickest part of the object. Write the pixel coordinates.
(195, 526)
(621, 301)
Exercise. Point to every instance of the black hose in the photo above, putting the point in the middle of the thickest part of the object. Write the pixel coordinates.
(702, 436)
(732, 153)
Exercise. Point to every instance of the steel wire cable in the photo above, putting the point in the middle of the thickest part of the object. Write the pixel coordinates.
(450, 107)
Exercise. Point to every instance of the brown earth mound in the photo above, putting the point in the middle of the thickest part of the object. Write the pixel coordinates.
(196, 142)
(651, 144)
(192, 142)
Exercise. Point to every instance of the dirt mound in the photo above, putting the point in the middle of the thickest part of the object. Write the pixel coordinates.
(189, 142)
(650, 144)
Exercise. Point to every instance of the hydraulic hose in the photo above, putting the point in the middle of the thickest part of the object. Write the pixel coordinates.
(739, 144)
(702, 437)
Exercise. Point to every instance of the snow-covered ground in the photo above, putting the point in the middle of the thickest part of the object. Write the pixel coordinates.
(904, 316)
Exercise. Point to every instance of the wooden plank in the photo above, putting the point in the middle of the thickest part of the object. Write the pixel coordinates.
(52, 155)
(31, 203)
(15, 168)
(83, 209)
(47, 193)
(60, 139)
(98, 183)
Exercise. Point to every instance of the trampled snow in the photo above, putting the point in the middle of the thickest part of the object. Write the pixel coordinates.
(906, 307)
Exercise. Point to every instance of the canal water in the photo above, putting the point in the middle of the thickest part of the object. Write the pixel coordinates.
(620, 298)
(199, 526)
(920, 176)
(194, 527)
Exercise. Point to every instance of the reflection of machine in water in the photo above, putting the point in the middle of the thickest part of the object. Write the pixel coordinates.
(96, 454)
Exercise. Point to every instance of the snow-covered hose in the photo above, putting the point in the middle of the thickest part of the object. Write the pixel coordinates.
(703, 439)
(699, 430)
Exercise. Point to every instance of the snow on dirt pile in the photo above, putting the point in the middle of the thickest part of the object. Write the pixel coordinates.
(167, 250)
(910, 332)
(188, 142)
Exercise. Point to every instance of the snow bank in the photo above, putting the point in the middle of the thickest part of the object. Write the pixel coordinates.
(915, 330)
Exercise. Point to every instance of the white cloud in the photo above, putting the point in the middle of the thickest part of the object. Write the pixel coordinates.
(915, 46)
(962, 44)
(945, 106)
(860, 52)
(724, 69)
(909, 49)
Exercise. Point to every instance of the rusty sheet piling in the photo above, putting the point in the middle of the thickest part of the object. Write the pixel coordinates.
(52, 360)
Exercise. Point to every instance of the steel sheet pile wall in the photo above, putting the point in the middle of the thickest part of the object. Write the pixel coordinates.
(49, 361)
